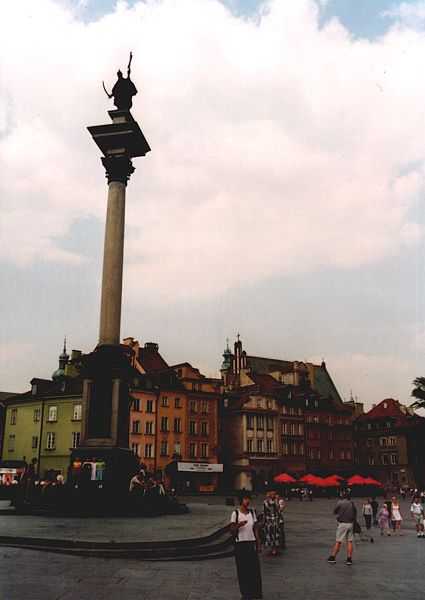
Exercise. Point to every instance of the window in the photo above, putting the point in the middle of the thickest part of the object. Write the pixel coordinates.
(291, 410)
(177, 425)
(348, 454)
(193, 406)
(394, 459)
(269, 404)
(259, 403)
(285, 449)
(371, 460)
(164, 423)
(369, 426)
(34, 442)
(177, 403)
(269, 445)
(316, 404)
(164, 401)
(269, 422)
(384, 459)
(331, 454)
(76, 414)
(196, 387)
(164, 448)
(149, 427)
(383, 442)
(135, 428)
(51, 440)
(52, 415)
(284, 410)
(75, 439)
(13, 416)
(392, 441)
(192, 427)
(369, 442)
(204, 407)
(388, 424)
(315, 419)
(250, 421)
(149, 406)
(301, 449)
(177, 448)
(148, 449)
(135, 448)
(330, 435)
(136, 404)
(342, 454)
(34, 389)
(192, 450)
(204, 450)
(285, 428)
(37, 415)
(250, 446)
(204, 428)
(11, 445)
(260, 447)
(260, 422)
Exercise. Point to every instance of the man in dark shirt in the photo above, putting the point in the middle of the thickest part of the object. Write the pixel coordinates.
(346, 515)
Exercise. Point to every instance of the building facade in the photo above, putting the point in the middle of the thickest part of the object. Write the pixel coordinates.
(281, 416)
(390, 445)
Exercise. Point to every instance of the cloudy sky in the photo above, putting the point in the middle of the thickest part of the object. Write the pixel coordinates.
(283, 197)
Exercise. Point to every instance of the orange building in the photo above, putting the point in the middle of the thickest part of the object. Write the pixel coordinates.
(174, 420)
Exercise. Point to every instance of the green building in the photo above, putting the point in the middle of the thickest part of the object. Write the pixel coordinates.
(45, 423)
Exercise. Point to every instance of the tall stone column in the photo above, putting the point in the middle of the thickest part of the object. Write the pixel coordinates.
(118, 171)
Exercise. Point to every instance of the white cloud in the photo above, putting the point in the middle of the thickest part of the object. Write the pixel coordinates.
(411, 14)
(277, 146)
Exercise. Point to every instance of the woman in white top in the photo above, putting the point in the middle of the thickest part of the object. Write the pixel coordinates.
(396, 517)
(243, 525)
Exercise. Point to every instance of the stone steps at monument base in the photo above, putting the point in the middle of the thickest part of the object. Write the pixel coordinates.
(216, 545)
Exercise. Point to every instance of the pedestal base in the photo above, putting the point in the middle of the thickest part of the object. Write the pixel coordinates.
(101, 477)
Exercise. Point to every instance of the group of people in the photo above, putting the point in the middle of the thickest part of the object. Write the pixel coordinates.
(388, 518)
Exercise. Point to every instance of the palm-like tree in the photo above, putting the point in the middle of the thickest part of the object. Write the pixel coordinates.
(418, 392)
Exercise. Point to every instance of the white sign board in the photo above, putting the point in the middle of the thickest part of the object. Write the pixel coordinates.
(200, 467)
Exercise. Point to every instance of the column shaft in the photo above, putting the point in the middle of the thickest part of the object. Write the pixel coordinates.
(110, 309)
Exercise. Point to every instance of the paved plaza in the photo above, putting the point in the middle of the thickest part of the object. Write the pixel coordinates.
(390, 568)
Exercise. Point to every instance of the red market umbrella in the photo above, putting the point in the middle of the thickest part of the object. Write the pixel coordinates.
(372, 481)
(338, 477)
(313, 480)
(307, 478)
(284, 478)
(356, 480)
(331, 481)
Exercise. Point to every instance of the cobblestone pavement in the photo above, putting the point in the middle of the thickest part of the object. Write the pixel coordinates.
(389, 568)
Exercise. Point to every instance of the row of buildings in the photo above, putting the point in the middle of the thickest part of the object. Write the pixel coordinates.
(261, 417)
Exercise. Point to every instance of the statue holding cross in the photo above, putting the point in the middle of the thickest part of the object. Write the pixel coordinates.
(123, 90)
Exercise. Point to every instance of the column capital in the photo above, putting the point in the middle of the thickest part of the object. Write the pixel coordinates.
(118, 168)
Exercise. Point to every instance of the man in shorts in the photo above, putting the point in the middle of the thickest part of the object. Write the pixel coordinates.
(346, 515)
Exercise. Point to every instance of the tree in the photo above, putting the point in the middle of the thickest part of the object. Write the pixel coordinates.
(418, 392)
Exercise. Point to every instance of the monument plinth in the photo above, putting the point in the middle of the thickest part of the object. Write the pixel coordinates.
(107, 370)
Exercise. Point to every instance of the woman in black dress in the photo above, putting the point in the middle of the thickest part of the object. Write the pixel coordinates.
(243, 524)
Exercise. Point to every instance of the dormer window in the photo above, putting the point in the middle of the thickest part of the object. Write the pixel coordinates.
(385, 404)
(34, 389)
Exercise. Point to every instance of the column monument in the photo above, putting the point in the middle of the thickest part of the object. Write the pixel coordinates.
(106, 370)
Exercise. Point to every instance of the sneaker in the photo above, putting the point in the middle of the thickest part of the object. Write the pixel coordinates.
(349, 561)
(332, 560)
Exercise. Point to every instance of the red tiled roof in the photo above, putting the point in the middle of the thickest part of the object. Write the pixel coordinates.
(266, 382)
(151, 360)
(389, 408)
